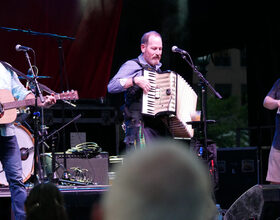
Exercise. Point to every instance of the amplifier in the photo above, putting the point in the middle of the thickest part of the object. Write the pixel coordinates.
(94, 169)
(238, 171)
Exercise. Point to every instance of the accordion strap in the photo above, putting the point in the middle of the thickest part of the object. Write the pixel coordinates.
(145, 66)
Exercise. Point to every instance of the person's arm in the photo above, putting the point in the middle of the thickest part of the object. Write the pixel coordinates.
(21, 93)
(140, 81)
(271, 103)
(48, 102)
(129, 72)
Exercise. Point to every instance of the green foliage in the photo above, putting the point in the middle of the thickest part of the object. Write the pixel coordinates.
(229, 116)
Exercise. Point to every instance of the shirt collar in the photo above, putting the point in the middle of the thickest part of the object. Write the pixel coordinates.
(143, 61)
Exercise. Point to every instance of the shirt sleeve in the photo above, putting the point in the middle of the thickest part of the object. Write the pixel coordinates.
(275, 90)
(128, 70)
(18, 90)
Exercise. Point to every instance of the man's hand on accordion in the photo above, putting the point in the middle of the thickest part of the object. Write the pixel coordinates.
(142, 83)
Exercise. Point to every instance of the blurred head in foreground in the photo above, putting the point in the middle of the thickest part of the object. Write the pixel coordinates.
(165, 180)
(45, 201)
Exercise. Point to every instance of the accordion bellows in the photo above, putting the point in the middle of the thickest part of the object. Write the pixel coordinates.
(170, 95)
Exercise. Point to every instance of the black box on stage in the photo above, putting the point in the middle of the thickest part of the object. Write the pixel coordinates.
(238, 171)
(94, 169)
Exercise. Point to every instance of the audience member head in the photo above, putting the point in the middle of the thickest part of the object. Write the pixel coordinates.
(45, 201)
(165, 180)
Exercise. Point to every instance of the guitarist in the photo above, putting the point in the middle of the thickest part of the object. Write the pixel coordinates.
(9, 149)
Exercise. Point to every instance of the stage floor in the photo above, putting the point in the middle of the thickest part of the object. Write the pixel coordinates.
(5, 192)
(79, 200)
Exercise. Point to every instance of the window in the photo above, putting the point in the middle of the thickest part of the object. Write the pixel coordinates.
(244, 95)
(221, 58)
(243, 57)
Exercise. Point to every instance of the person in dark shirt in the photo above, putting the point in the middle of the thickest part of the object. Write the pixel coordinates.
(271, 102)
(139, 129)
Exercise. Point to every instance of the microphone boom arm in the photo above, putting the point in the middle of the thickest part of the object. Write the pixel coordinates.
(195, 70)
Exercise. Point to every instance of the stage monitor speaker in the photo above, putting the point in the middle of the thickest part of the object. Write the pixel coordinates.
(261, 202)
(81, 200)
(97, 167)
(237, 168)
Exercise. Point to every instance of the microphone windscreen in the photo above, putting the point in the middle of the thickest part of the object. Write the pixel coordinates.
(17, 47)
(174, 48)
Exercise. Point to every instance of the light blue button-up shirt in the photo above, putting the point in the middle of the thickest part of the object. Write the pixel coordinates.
(9, 80)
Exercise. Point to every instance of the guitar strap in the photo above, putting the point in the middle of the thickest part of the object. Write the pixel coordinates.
(42, 86)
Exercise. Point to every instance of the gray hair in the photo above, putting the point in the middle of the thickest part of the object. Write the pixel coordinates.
(145, 37)
(163, 181)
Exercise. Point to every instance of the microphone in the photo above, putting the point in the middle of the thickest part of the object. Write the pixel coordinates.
(22, 48)
(175, 49)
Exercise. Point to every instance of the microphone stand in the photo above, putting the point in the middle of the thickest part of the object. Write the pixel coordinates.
(204, 85)
(61, 67)
(59, 39)
(36, 115)
(53, 151)
(37, 33)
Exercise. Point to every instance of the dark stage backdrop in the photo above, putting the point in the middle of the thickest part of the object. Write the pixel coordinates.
(108, 32)
(202, 27)
(87, 59)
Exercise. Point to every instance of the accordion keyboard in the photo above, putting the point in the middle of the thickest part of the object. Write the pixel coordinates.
(170, 95)
(162, 96)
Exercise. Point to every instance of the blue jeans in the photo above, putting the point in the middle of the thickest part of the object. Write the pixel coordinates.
(11, 161)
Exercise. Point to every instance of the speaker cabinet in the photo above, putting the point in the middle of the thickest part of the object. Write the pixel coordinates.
(94, 169)
(260, 202)
(237, 168)
(81, 200)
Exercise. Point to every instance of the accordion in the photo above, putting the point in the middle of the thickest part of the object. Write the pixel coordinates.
(170, 95)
